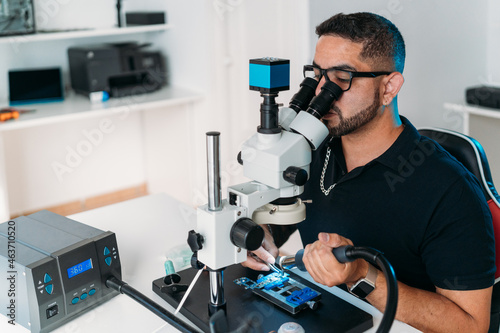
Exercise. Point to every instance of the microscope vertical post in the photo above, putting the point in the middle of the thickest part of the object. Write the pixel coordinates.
(213, 171)
(217, 300)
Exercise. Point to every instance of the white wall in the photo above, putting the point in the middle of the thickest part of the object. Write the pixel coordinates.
(493, 44)
(223, 36)
(246, 30)
(447, 50)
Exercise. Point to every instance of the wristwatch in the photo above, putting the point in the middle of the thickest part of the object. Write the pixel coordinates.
(366, 285)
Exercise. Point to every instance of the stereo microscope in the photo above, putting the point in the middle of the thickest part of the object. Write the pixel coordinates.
(277, 160)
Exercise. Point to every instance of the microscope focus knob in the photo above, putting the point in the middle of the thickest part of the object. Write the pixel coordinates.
(246, 234)
(295, 175)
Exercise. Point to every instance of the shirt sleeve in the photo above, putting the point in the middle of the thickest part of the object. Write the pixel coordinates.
(459, 250)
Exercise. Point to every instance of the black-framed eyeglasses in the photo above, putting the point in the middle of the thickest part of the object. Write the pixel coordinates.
(341, 77)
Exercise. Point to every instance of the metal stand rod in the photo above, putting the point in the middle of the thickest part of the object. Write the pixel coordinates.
(213, 172)
(217, 288)
(217, 300)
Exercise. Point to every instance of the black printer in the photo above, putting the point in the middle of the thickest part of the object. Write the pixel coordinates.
(483, 96)
(120, 69)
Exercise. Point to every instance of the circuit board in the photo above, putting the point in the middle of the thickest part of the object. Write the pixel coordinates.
(282, 290)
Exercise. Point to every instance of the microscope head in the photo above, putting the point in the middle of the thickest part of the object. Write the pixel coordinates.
(277, 157)
(279, 154)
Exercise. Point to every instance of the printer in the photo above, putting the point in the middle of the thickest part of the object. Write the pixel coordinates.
(120, 69)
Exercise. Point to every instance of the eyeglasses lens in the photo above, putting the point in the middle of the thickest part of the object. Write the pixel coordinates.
(341, 78)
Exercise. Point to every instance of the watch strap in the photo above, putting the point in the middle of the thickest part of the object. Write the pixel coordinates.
(372, 274)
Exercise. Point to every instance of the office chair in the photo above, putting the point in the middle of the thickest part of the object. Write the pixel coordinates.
(471, 154)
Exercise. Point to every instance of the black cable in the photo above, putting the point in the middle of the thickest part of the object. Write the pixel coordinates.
(350, 253)
(148, 303)
(375, 257)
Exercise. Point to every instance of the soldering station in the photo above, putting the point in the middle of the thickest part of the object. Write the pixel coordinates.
(64, 268)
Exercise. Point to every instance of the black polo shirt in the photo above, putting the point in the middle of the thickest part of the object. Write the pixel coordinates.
(415, 203)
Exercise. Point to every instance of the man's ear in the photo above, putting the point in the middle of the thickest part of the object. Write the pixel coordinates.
(392, 83)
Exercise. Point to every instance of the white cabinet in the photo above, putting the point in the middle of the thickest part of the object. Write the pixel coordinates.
(483, 124)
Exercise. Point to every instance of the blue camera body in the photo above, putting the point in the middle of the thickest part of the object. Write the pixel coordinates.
(269, 75)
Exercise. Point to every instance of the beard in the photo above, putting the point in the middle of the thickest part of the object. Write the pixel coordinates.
(349, 125)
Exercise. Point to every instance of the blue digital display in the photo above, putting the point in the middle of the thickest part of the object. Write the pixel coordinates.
(79, 268)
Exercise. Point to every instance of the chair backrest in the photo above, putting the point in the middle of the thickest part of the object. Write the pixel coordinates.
(471, 154)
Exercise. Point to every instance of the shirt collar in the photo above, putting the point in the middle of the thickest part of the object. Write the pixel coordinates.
(399, 151)
(402, 148)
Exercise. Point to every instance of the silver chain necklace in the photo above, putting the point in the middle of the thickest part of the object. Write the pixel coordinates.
(322, 179)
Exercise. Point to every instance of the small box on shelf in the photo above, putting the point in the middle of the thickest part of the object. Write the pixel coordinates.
(145, 18)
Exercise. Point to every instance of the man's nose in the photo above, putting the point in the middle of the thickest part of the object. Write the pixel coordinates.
(320, 84)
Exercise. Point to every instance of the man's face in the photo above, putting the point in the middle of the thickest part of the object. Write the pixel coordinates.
(361, 103)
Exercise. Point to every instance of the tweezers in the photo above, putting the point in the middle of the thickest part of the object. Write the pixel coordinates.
(271, 266)
(274, 268)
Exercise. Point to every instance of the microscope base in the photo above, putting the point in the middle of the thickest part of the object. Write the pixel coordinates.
(332, 315)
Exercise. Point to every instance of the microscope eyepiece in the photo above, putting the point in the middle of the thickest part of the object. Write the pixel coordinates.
(320, 105)
(303, 97)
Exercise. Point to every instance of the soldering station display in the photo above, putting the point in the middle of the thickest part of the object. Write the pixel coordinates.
(79, 268)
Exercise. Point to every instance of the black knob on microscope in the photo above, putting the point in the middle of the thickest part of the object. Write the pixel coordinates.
(295, 175)
(195, 241)
(247, 234)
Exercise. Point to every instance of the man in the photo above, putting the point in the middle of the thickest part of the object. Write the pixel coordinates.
(376, 182)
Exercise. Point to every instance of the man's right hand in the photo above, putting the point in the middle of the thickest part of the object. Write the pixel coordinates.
(266, 253)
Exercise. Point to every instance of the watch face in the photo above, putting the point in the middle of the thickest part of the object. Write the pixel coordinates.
(362, 289)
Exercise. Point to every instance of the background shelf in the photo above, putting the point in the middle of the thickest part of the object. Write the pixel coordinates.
(79, 107)
(49, 36)
(475, 110)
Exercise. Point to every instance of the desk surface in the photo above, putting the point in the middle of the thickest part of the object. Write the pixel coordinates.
(146, 229)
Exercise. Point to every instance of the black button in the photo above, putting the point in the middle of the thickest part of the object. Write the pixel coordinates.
(52, 311)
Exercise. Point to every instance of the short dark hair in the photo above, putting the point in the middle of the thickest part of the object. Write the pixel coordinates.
(382, 41)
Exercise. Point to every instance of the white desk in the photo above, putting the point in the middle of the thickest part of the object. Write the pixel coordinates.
(146, 228)
(76, 108)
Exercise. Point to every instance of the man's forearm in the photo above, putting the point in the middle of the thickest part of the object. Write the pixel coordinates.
(430, 311)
